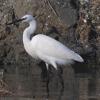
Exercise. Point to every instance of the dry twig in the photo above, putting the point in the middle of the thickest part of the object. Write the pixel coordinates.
(52, 8)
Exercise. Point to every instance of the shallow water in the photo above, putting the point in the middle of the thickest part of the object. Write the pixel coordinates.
(26, 83)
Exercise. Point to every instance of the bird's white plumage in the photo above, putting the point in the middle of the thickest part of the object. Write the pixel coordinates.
(54, 49)
(46, 48)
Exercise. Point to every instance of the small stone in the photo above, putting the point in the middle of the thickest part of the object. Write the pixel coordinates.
(85, 21)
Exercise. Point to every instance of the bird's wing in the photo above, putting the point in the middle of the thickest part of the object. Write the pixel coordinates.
(50, 47)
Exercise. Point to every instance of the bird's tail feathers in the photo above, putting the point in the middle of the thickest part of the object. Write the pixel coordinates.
(78, 58)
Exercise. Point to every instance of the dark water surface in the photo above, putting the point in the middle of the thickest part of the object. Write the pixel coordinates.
(27, 83)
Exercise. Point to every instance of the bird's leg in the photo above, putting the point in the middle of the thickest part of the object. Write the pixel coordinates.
(60, 72)
(44, 75)
(47, 65)
(47, 85)
(47, 82)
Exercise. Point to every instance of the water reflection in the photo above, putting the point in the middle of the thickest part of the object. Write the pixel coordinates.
(39, 84)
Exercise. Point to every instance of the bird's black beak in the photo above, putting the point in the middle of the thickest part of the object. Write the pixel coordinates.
(16, 21)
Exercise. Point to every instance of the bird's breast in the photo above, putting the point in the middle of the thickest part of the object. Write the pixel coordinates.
(30, 49)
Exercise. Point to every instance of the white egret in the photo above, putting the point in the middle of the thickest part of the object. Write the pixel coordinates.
(46, 48)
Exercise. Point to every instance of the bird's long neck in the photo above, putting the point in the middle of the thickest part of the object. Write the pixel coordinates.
(28, 31)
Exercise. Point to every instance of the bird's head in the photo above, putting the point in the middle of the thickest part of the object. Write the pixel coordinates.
(25, 18)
